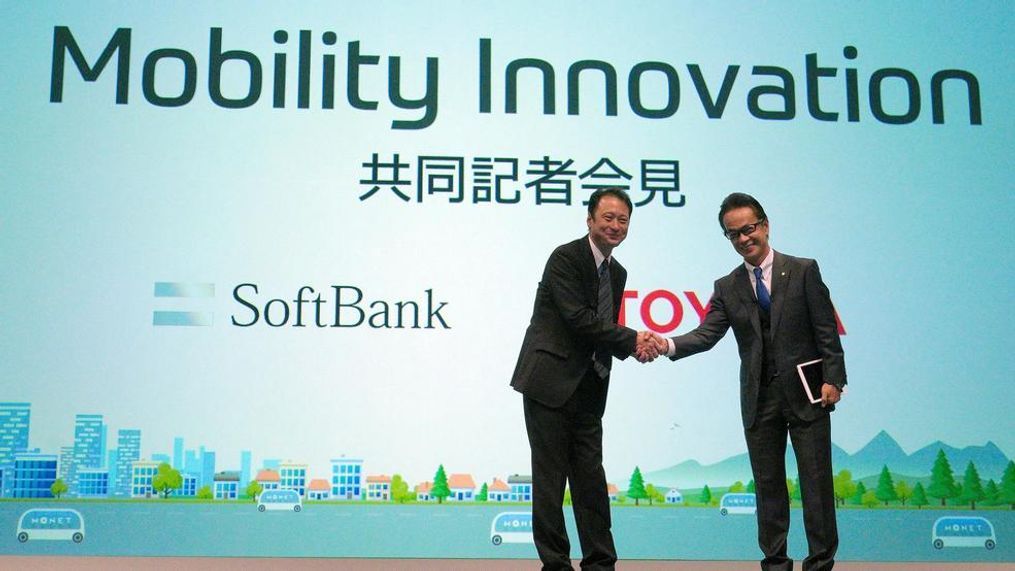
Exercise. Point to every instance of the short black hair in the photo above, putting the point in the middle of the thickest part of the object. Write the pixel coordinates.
(614, 191)
(740, 200)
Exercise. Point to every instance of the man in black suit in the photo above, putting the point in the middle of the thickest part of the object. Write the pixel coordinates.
(781, 316)
(563, 371)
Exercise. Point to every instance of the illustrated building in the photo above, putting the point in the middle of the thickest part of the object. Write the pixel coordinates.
(346, 479)
(423, 492)
(88, 452)
(462, 486)
(268, 479)
(612, 490)
(673, 496)
(498, 491)
(319, 489)
(246, 459)
(521, 488)
(227, 485)
(15, 418)
(128, 451)
(142, 473)
(188, 485)
(93, 482)
(293, 477)
(379, 488)
(34, 474)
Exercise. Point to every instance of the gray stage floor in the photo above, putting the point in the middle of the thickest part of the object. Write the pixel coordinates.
(239, 563)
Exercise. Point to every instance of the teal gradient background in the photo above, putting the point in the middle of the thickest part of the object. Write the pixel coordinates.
(911, 225)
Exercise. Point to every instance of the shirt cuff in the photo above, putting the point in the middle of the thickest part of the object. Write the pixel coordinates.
(671, 349)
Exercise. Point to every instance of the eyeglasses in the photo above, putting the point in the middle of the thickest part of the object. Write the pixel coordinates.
(745, 230)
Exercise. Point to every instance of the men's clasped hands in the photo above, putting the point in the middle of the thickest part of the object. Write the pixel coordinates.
(648, 346)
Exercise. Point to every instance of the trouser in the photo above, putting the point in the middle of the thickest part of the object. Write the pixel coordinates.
(812, 445)
(567, 447)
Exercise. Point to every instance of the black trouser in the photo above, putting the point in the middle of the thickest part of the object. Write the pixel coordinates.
(812, 445)
(567, 446)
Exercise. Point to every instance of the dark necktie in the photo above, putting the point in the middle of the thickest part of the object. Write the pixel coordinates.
(602, 359)
(764, 300)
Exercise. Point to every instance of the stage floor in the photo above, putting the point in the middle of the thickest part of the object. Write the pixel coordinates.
(245, 564)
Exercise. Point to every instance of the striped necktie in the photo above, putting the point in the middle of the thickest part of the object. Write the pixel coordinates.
(605, 310)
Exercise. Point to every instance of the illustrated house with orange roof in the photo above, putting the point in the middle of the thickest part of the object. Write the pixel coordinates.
(462, 487)
(379, 488)
(423, 492)
(612, 490)
(498, 491)
(319, 489)
(268, 479)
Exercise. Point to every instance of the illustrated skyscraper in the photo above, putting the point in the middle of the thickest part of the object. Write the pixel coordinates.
(15, 418)
(128, 444)
(87, 446)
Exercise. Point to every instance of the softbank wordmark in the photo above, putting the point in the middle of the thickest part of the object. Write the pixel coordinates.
(891, 95)
(337, 306)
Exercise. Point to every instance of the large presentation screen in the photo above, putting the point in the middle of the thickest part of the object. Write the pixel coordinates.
(249, 247)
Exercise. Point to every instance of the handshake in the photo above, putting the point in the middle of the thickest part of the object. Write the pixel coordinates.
(648, 346)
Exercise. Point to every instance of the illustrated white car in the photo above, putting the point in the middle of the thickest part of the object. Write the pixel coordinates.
(964, 531)
(287, 500)
(51, 523)
(738, 504)
(511, 527)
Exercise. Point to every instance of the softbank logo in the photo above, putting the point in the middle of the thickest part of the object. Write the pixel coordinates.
(192, 292)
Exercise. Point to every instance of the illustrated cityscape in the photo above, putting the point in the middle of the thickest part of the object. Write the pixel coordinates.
(90, 468)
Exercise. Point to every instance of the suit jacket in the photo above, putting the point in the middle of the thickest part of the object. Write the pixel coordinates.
(565, 329)
(803, 328)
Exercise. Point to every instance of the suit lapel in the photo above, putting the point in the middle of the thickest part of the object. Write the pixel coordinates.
(780, 281)
(742, 285)
(590, 275)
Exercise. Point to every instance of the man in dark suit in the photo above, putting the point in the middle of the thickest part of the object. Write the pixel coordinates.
(781, 316)
(563, 371)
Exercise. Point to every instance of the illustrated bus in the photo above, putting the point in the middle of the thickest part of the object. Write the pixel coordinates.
(279, 500)
(511, 527)
(963, 531)
(738, 504)
(51, 523)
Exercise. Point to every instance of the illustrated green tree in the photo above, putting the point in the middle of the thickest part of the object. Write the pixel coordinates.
(440, 488)
(795, 494)
(990, 493)
(253, 490)
(870, 499)
(857, 498)
(1007, 495)
(903, 491)
(706, 496)
(204, 493)
(843, 486)
(886, 487)
(58, 488)
(399, 489)
(750, 487)
(483, 493)
(942, 480)
(636, 488)
(737, 487)
(972, 487)
(567, 496)
(792, 489)
(167, 480)
(654, 495)
(919, 496)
